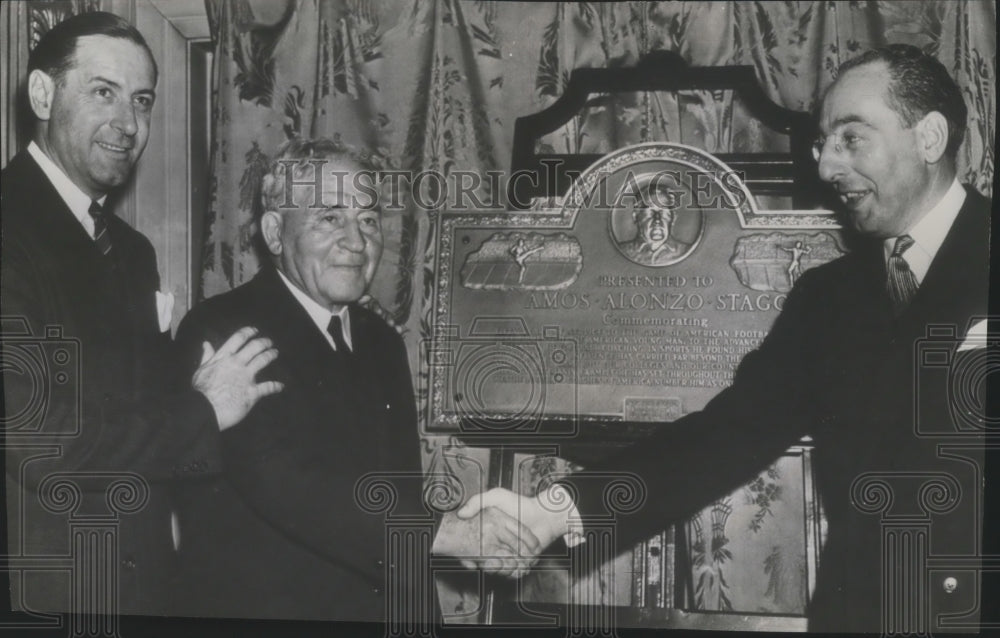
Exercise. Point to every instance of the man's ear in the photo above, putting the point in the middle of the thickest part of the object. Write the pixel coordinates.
(41, 89)
(271, 223)
(932, 136)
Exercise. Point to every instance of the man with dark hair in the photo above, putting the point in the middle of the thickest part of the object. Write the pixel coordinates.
(281, 534)
(54, 54)
(81, 284)
(840, 364)
(918, 84)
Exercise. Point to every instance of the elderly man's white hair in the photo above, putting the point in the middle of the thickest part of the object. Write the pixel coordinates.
(303, 152)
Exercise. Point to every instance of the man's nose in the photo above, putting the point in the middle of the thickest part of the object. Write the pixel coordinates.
(125, 119)
(352, 239)
(831, 164)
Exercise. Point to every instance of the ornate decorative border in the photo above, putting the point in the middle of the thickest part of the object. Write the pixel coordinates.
(560, 213)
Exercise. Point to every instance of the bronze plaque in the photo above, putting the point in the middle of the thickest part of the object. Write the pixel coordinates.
(632, 300)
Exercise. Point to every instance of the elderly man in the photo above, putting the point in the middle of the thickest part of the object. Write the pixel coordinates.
(281, 536)
(839, 364)
(80, 286)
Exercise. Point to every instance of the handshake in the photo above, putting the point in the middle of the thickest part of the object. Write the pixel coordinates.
(502, 532)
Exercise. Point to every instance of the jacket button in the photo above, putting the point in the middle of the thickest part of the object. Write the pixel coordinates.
(376, 591)
(129, 563)
(950, 584)
(380, 563)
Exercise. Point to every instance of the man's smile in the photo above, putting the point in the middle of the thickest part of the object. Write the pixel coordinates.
(114, 148)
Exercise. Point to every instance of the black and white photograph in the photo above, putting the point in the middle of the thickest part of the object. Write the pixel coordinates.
(431, 317)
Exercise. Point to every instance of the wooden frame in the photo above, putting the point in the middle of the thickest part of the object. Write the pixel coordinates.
(765, 173)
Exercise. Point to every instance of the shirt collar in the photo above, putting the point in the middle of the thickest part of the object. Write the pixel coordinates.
(928, 234)
(76, 200)
(320, 315)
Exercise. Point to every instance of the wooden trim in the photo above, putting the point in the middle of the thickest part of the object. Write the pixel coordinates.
(765, 173)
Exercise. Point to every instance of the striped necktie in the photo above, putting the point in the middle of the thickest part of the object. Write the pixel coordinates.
(901, 282)
(101, 236)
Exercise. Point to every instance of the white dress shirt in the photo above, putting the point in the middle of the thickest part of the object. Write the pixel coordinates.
(928, 234)
(76, 200)
(320, 315)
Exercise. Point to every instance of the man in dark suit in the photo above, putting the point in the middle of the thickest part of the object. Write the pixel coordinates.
(90, 431)
(841, 364)
(282, 533)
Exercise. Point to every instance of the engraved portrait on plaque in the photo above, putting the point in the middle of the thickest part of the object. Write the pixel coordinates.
(633, 299)
(660, 223)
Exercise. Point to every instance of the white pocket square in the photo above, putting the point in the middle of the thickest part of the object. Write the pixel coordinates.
(975, 338)
(164, 309)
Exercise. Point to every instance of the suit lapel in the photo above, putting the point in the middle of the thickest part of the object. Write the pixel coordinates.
(46, 211)
(954, 289)
(54, 218)
(299, 342)
(956, 285)
(372, 392)
(332, 386)
(75, 258)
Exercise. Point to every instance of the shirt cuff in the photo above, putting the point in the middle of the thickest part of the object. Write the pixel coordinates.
(559, 494)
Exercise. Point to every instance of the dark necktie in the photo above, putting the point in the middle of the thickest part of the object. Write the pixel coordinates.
(101, 236)
(901, 283)
(337, 332)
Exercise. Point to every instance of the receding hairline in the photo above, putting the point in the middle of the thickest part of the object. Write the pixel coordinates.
(882, 89)
(75, 57)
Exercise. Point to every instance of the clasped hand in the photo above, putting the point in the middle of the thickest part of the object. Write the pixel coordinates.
(490, 540)
(511, 529)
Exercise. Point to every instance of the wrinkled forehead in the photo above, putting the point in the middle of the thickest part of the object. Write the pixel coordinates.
(858, 95)
(337, 182)
(117, 59)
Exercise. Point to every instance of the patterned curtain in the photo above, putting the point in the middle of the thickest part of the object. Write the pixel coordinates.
(437, 84)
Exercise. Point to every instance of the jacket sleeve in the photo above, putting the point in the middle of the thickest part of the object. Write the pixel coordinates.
(688, 463)
(301, 479)
(57, 420)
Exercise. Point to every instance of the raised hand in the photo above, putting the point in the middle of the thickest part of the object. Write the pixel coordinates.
(489, 540)
(545, 515)
(227, 376)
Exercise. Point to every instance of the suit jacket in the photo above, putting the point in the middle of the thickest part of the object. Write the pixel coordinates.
(837, 366)
(281, 534)
(108, 419)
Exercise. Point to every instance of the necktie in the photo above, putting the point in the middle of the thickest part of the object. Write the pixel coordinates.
(901, 283)
(101, 236)
(337, 332)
